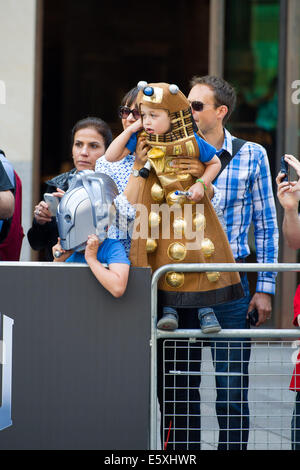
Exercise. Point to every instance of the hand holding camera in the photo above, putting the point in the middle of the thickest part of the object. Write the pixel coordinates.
(288, 191)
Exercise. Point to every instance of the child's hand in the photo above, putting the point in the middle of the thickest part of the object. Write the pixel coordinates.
(59, 254)
(91, 248)
(197, 191)
(137, 125)
(298, 319)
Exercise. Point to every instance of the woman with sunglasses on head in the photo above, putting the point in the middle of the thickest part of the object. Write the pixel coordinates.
(90, 138)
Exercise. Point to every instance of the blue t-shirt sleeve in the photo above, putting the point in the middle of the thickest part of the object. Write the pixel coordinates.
(131, 144)
(113, 252)
(70, 259)
(76, 257)
(207, 151)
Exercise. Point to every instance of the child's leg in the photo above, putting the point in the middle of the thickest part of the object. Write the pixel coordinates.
(295, 431)
(169, 320)
(208, 320)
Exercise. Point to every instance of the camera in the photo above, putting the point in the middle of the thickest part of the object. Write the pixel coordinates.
(285, 168)
(52, 202)
(253, 317)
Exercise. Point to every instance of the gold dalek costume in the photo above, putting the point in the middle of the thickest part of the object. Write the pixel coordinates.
(173, 238)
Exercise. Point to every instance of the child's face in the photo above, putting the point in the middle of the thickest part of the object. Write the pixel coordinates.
(155, 121)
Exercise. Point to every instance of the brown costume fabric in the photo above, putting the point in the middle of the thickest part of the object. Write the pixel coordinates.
(157, 191)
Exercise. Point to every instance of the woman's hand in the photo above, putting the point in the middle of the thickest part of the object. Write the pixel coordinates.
(141, 151)
(64, 254)
(41, 213)
(59, 193)
(91, 248)
(288, 192)
(293, 162)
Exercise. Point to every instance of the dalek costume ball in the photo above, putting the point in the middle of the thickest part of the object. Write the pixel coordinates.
(193, 235)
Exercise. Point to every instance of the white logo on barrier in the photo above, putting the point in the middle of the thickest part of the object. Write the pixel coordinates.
(2, 92)
(296, 94)
(6, 361)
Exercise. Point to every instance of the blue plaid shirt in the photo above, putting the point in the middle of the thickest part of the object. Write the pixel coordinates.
(247, 197)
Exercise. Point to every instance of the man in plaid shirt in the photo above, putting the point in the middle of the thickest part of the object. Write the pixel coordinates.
(247, 197)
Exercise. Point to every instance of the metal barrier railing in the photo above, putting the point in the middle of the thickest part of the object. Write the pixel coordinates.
(257, 334)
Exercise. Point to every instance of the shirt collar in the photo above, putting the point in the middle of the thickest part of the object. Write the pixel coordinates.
(227, 144)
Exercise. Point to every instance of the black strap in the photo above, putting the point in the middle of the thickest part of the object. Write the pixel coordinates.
(225, 156)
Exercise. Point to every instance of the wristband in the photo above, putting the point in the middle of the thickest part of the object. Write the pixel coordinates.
(200, 180)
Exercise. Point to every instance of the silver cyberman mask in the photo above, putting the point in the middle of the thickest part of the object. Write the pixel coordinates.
(86, 208)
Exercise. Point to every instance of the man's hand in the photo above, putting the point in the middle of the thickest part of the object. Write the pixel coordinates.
(262, 302)
(192, 166)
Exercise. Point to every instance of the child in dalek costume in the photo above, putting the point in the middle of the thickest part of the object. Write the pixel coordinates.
(295, 381)
(168, 128)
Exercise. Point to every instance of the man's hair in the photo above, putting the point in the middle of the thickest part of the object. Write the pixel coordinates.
(224, 93)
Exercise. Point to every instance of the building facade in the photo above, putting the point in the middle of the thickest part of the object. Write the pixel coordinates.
(61, 61)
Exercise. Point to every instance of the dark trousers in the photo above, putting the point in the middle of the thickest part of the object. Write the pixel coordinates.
(181, 398)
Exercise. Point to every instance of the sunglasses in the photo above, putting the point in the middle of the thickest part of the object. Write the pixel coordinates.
(124, 112)
(198, 105)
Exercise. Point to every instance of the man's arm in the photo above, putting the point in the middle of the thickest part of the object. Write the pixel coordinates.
(266, 237)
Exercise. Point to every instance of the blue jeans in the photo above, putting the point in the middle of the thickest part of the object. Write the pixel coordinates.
(231, 356)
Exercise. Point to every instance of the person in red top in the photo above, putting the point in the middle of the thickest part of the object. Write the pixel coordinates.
(295, 381)
(288, 193)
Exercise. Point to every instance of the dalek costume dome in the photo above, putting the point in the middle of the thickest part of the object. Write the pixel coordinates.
(178, 229)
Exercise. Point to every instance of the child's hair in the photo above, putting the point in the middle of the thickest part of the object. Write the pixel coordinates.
(96, 123)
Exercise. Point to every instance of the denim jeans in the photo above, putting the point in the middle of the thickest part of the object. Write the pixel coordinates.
(182, 392)
(232, 356)
(295, 431)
